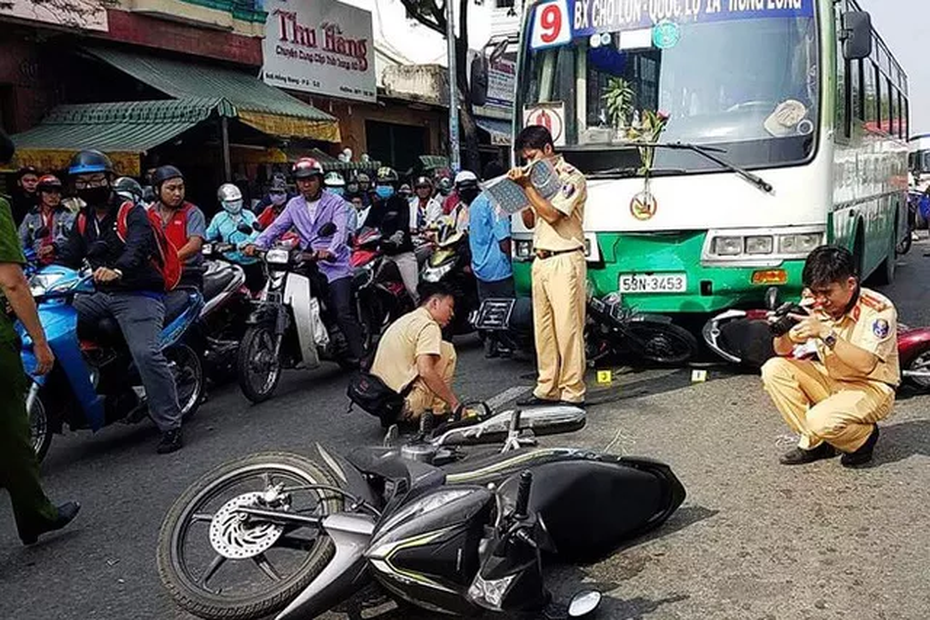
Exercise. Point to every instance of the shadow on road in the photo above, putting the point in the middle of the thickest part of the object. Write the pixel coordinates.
(900, 441)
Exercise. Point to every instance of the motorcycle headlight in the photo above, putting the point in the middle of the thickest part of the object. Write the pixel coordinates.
(422, 506)
(489, 594)
(278, 256)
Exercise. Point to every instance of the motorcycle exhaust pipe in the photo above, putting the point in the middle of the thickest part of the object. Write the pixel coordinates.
(916, 374)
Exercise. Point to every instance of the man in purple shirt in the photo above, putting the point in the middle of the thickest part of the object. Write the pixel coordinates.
(307, 214)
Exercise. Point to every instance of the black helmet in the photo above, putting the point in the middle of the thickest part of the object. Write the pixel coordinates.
(165, 173)
(89, 162)
(128, 189)
(387, 175)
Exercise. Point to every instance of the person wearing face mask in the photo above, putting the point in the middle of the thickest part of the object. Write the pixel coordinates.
(392, 216)
(130, 290)
(49, 215)
(224, 227)
(335, 184)
(308, 214)
(424, 209)
(559, 272)
(467, 188)
(183, 223)
(274, 202)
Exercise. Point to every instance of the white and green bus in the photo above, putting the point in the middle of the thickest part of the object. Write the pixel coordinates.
(786, 128)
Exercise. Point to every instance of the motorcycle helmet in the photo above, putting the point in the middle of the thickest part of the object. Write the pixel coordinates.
(90, 162)
(405, 190)
(334, 179)
(422, 182)
(466, 184)
(165, 173)
(307, 167)
(230, 197)
(129, 189)
(363, 180)
(49, 182)
(386, 175)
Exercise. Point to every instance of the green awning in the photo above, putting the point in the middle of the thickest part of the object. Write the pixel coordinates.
(122, 130)
(432, 162)
(255, 103)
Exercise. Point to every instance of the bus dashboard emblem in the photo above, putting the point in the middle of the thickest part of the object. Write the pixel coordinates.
(643, 206)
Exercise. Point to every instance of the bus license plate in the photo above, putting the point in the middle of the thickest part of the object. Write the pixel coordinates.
(658, 283)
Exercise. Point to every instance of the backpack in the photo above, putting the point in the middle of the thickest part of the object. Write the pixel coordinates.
(375, 397)
(167, 263)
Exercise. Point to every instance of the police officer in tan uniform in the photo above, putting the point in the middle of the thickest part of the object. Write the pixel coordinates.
(835, 399)
(559, 273)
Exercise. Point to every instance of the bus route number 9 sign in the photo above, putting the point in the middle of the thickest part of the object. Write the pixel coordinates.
(551, 25)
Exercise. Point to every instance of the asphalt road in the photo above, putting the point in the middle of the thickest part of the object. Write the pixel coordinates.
(754, 540)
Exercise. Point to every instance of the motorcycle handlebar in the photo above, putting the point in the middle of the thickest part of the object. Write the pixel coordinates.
(523, 495)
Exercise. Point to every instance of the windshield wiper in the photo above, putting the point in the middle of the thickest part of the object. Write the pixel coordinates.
(626, 172)
(709, 153)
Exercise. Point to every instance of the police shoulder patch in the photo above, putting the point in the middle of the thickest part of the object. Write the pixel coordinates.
(880, 328)
(872, 302)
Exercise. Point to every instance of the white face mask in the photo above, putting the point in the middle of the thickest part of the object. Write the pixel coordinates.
(233, 207)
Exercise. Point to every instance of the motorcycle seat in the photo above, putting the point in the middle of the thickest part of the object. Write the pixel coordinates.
(216, 280)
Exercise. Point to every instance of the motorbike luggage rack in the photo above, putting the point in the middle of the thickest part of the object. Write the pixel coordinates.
(494, 314)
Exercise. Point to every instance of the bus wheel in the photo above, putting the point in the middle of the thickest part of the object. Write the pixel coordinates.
(885, 273)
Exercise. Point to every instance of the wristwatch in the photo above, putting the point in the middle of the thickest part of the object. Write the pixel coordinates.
(830, 339)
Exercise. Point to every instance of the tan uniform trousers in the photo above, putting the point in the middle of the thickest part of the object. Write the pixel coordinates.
(559, 295)
(421, 398)
(823, 409)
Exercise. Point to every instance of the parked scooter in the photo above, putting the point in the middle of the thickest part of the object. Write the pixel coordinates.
(94, 382)
(745, 338)
(610, 330)
(450, 263)
(459, 540)
(290, 326)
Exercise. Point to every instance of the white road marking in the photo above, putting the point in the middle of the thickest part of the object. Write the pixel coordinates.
(508, 395)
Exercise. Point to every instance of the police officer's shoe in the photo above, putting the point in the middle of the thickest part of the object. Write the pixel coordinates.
(802, 457)
(171, 441)
(864, 454)
(535, 401)
(66, 514)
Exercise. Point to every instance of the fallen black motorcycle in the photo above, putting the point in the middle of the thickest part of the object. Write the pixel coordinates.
(610, 330)
(279, 533)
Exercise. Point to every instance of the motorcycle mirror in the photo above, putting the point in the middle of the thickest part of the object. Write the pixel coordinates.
(327, 230)
(244, 228)
(584, 603)
(771, 298)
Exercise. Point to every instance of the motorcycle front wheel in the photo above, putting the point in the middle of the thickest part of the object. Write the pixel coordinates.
(259, 369)
(920, 364)
(40, 430)
(219, 563)
(188, 378)
(663, 344)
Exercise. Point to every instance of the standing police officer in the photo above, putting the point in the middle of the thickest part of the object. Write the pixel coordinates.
(559, 272)
(19, 470)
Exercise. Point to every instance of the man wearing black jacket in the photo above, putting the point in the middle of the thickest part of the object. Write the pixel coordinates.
(391, 214)
(129, 289)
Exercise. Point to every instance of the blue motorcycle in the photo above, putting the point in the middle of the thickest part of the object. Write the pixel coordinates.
(94, 382)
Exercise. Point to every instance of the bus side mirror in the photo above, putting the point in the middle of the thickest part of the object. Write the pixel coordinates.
(857, 27)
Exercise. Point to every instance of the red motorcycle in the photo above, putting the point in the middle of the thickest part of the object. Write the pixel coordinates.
(744, 337)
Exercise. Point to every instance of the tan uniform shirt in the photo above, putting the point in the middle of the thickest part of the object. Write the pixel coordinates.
(412, 335)
(872, 325)
(568, 232)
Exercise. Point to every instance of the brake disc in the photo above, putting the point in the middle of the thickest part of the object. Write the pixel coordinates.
(235, 536)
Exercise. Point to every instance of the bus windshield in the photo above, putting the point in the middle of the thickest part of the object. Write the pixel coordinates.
(748, 87)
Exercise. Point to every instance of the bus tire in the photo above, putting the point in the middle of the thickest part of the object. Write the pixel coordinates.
(884, 275)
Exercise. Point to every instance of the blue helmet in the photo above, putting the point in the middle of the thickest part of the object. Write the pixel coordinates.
(89, 162)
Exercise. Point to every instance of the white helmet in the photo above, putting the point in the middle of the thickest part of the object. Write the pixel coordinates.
(230, 197)
(465, 178)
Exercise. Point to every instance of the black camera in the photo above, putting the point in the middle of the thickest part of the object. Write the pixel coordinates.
(780, 323)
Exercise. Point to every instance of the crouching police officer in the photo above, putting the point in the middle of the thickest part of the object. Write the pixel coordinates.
(835, 399)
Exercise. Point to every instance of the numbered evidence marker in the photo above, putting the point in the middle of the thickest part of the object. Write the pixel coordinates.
(605, 377)
(551, 25)
(698, 376)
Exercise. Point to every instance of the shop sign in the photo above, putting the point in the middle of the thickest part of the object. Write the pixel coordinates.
(502, 80)
(320, 46)
(79, 14)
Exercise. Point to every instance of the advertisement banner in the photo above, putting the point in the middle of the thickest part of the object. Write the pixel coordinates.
(320, 46)
(80, 14)
(502, 80)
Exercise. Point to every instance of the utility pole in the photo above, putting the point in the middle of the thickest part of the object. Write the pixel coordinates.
(454, 150)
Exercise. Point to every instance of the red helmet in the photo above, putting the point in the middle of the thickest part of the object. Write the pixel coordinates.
(49, 181)
(306, 167)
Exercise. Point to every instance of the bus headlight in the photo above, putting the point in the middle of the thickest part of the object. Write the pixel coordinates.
(799, 244)
(760, 245)
(728, 246)
(523, 249)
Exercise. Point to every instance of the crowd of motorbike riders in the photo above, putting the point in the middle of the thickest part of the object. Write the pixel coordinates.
(383, 227)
